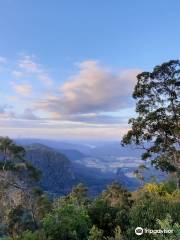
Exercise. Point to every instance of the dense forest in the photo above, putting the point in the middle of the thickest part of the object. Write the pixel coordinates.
(29, 213)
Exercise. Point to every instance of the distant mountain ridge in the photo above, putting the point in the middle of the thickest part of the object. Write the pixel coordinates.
(94, 163)
(72, 154)
(59, 174)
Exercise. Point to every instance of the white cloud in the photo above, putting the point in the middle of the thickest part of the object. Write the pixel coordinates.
(57, 129)
(28, 114)
(6, 112)
(87, 104)
(94, 89)
(29, 66)
(45, 79)
(12, 98)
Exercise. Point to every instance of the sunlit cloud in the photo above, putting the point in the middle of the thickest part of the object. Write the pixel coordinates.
(28, 66)
(24, 89)
(94, 89)
(94, 102)
(60, 129)
(45, 79)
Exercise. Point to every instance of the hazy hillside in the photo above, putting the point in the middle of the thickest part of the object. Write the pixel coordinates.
(59, 174)
(94, 163)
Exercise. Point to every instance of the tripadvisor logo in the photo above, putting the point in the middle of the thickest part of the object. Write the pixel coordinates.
(139, 231)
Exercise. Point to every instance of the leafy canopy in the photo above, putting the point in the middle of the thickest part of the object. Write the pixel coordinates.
(157, 125)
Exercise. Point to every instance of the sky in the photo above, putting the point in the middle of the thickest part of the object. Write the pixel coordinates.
(68, 68)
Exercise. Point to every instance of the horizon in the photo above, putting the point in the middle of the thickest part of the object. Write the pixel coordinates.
(68, 69)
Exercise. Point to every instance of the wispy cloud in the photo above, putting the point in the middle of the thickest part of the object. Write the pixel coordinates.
(94, 89)
(60, 129)
(44, 77)
(94, 102)
(24, 89)
(6, 112)
(28, 66)
(28, 114)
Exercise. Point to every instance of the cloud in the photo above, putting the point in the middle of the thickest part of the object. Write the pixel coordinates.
(12, 98)
(24, 89)
(59, 129)
(92, 118)
(95, 102)
(97, 118)
(94, 89)
(29, 66)
(28, 114)
(5, 112)
(45, 79)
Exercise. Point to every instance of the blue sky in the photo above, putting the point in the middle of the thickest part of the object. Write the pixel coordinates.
(68, 68)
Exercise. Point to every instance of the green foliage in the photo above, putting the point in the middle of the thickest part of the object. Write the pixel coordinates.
(111, 216)
(19, 220)
(167, 223)
(27, 235)
(12, 154)
(79, 195)
(13, 160)
(111, 209)
(95, 233)
(155, 202)
(116, 196)
(138, 173)
(28, 214)
(117, 233)
(67, 221)
(103, 216)
(22, 206)
(157, 125)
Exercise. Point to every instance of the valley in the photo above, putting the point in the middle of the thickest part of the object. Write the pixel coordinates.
(65, 164)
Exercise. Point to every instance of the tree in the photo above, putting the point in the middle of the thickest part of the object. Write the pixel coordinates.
(157, 125)
(154, 202)
(117, 233)
(67, 221)
(95, 233)
(10, 151)
(167, 223)
(103, 216)
(79, 194)
(116, 196)
(19, 219)
(111, 209)
(139, 173)
(22, 207)
(14, 170)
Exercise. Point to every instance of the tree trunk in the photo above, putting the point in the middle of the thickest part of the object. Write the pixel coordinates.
(178, 180)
